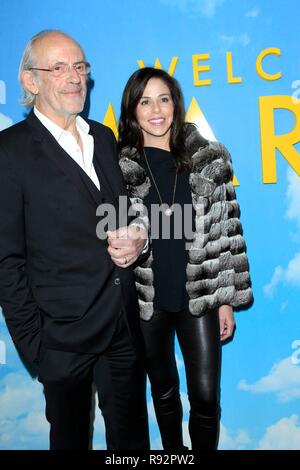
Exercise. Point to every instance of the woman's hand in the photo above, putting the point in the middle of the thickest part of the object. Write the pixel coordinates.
(125, 245)
(227, 322)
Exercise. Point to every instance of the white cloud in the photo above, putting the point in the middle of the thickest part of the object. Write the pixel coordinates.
(292, 272)
(242, 39)
(22, 422)
(283, 435)
(253, 13)
(186, 434)
(290, 275)
(156, 443)
(99, 442)
(283, 379)
(185, 403)
(206, 7)
(269, 289)
(19, 395)
(21, 435)
(179, 362)
(151, 411)
(229, 440)
(5, 121)
(35, 423)
(238, 440)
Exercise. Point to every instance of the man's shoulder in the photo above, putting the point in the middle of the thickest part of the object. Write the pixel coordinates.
(14, 132)
(13, 142)
(100, 129)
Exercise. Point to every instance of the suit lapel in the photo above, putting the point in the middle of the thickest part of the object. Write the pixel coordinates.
(105, 186)
(51, 149)
(107, 168)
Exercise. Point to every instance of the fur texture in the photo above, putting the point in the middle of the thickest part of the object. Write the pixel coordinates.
(217, 271)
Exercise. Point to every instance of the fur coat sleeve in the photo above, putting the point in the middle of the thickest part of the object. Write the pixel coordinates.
(218, 269)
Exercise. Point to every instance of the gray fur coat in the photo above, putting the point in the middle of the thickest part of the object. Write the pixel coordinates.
(217, 271)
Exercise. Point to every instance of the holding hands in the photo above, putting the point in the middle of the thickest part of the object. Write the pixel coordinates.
(126, 244)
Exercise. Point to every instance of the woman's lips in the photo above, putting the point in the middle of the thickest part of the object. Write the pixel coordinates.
(157, 121)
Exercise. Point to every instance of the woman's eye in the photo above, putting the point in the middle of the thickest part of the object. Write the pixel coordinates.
(143, 102)
(166, 99)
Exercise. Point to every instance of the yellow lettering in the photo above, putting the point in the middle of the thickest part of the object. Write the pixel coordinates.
(259, 67)
(197, 69)
(283, 142)
(231, 78)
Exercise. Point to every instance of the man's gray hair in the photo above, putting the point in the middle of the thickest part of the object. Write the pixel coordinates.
(28, 61)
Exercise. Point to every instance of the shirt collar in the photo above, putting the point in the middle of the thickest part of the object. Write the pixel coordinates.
(56, 130)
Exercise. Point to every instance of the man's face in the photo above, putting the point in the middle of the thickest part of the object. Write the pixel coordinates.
(59, 97)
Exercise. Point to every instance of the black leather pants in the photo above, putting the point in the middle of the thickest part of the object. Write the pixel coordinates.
(199, 340)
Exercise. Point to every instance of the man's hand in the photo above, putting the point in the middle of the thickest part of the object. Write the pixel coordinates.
(125, 244)
(227, 321)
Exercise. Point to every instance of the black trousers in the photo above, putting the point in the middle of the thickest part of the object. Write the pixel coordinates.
(199, 340)
(119, 377)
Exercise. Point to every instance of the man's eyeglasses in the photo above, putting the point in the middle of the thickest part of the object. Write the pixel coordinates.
(60, 69)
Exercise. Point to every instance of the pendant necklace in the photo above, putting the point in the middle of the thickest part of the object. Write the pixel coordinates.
(168, 211)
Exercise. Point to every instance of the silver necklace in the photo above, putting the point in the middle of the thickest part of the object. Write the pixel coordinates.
(169, 209)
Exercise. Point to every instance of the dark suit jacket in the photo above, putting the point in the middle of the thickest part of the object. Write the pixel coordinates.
(58, 284)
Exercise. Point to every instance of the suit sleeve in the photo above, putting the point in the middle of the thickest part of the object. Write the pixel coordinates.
(232, 232)
(19, 307)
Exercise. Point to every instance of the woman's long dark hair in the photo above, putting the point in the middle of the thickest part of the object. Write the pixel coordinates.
(130, 133)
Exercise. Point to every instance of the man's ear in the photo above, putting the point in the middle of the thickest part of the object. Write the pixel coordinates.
(29, 81)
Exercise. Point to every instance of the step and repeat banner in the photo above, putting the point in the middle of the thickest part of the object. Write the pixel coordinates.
(238, 63)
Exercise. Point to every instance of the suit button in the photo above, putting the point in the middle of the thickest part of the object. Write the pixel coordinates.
(117, 281)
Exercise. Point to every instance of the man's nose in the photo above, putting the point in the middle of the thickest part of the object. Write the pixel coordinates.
(73, 75)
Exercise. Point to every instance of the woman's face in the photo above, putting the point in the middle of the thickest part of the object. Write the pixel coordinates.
(154, 113)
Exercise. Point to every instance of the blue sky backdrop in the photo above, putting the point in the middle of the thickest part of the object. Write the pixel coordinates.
(261, 367)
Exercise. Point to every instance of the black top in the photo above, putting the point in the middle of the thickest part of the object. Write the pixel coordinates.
(170, 234)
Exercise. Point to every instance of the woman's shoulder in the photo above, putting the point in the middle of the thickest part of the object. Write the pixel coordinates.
(193, 138)
(209, 158)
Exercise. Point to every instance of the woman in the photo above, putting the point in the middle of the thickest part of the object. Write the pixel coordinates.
(184, 288)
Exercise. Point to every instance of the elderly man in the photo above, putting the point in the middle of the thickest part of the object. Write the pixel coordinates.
(68, 302)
